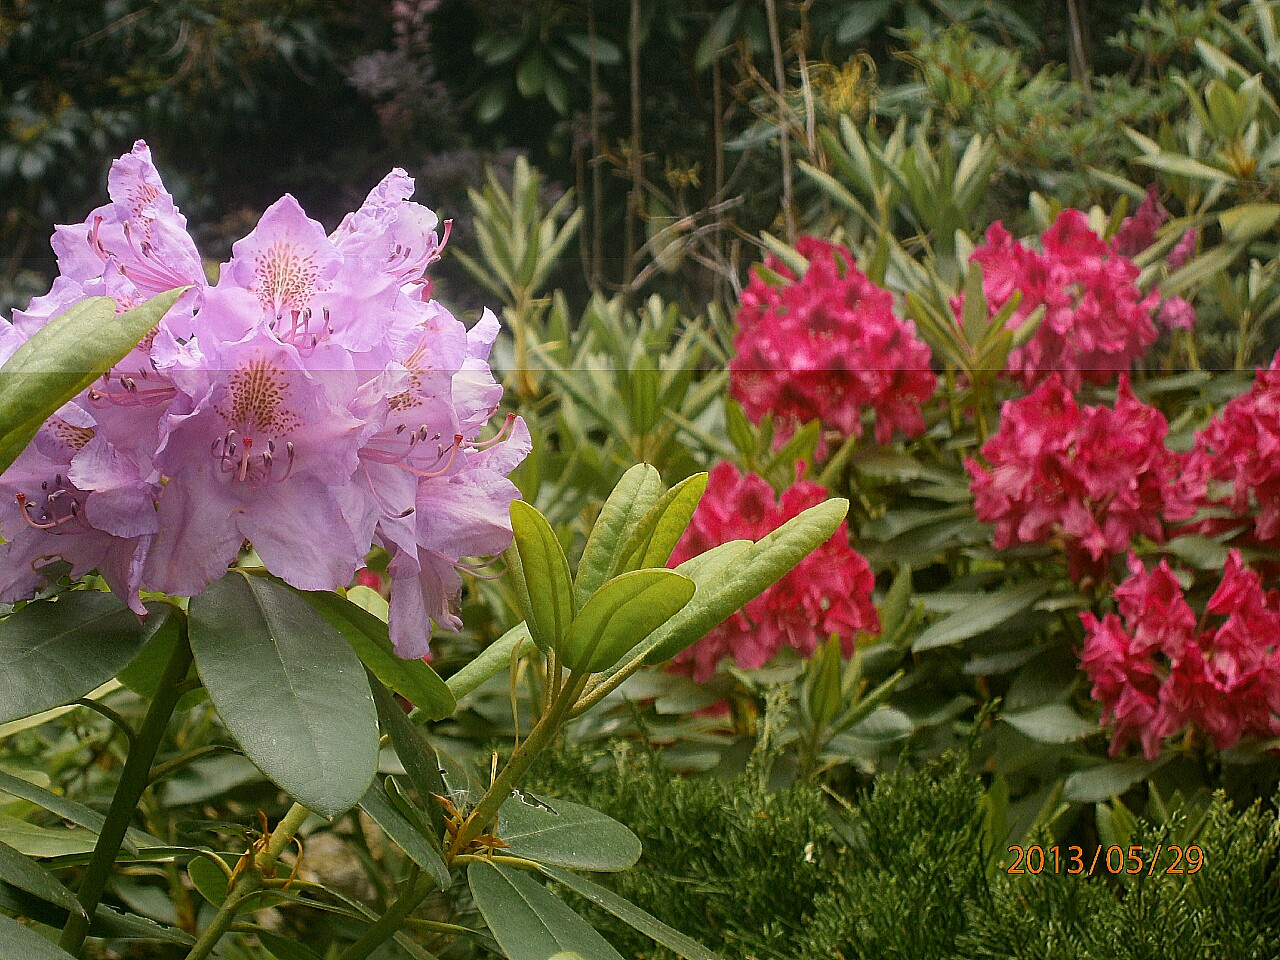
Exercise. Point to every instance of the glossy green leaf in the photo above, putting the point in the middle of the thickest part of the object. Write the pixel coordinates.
(985, 613)
(412, 679)
(630, 914)
(825, 682)
(289, 688)
(1050, 723)
(566, 835)
(25, 874)
(635, 495)
(144, 672)
(406, 835)
(725, 587)
(541, 576)
(620, 615)
(63, 357)
(56, 651)
(18, 942)
(527, 921)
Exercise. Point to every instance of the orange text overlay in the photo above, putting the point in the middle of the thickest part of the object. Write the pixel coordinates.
(1133, 860)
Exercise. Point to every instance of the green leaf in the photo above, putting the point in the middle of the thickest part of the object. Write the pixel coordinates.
(630, 914)
(527, 921)
(144, 672)
(282, 948)
(1243, 223)
(656, 535)
(63, 357)
(984, 614)
(567, 834)
(733, 579)
(56, 651)
(861, 19)
(1184, 166)
(631, 500)
(492, 660)
(1111, 779)
(35, 841)
(412, 679)
(1051, 723)
(417, 756)
(69, 810)
(602, 51)
(404, 833)
(25, 874)
(620, 615)
(531, 75)
(541, 574)
(22, 943)
(289, 688)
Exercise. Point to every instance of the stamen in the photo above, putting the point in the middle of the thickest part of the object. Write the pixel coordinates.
(497, 438)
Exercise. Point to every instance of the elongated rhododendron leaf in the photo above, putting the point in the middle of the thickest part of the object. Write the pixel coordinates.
(635, 494)
(656, 535)
(65, 356)
(567, 835)
(412, 679)
(55, 651)
(527, 921)
(541, 575)
(17, 940)
(620, 615)
(724, 589)
(289, 688)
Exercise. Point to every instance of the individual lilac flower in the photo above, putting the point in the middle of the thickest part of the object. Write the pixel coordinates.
(256, 448)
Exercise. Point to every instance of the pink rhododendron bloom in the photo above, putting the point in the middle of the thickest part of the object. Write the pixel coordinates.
(827, 592)
(1096, 322)
(312, 403)
(828, 347)
(1156, 672)
(1241, 447)
(1088, 477)
(1138, 231)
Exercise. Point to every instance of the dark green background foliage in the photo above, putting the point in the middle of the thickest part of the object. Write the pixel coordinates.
(902, 873)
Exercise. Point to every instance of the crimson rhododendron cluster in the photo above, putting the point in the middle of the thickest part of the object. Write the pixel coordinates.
(1241, 447)
(1090, 477)
(827, 347)
(827, 592)
(1156, 672)
(1096, 321)
(312, 402)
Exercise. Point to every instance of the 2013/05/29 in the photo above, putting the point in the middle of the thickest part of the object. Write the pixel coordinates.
(1071, 860)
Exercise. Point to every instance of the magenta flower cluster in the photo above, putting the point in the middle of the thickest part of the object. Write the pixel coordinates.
(1090, 477)
(828, 592)
(1096, 321)
(1156, 672)
(313, 401)
(1241, 449)
(827, 347)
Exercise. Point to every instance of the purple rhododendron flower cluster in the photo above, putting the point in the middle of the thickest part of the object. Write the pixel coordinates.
(312, 402)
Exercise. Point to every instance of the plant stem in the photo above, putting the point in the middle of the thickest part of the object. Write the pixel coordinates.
(386, 926)
(250, 881)
(784, 123)
(133, 782)
(539, 737)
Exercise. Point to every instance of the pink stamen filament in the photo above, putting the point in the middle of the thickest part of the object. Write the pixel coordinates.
(50, 520)
(132, 395)
(497, 438)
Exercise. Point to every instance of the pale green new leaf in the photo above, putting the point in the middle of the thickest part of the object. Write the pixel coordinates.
(620, 615)
(541, 574)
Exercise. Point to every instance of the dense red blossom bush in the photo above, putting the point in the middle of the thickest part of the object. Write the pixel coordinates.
(1096, 322)
(828, 592)
(1090, 477)
(826, 347)
(1156, 672)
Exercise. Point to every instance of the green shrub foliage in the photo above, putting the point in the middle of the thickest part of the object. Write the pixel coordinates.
(903, 872)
